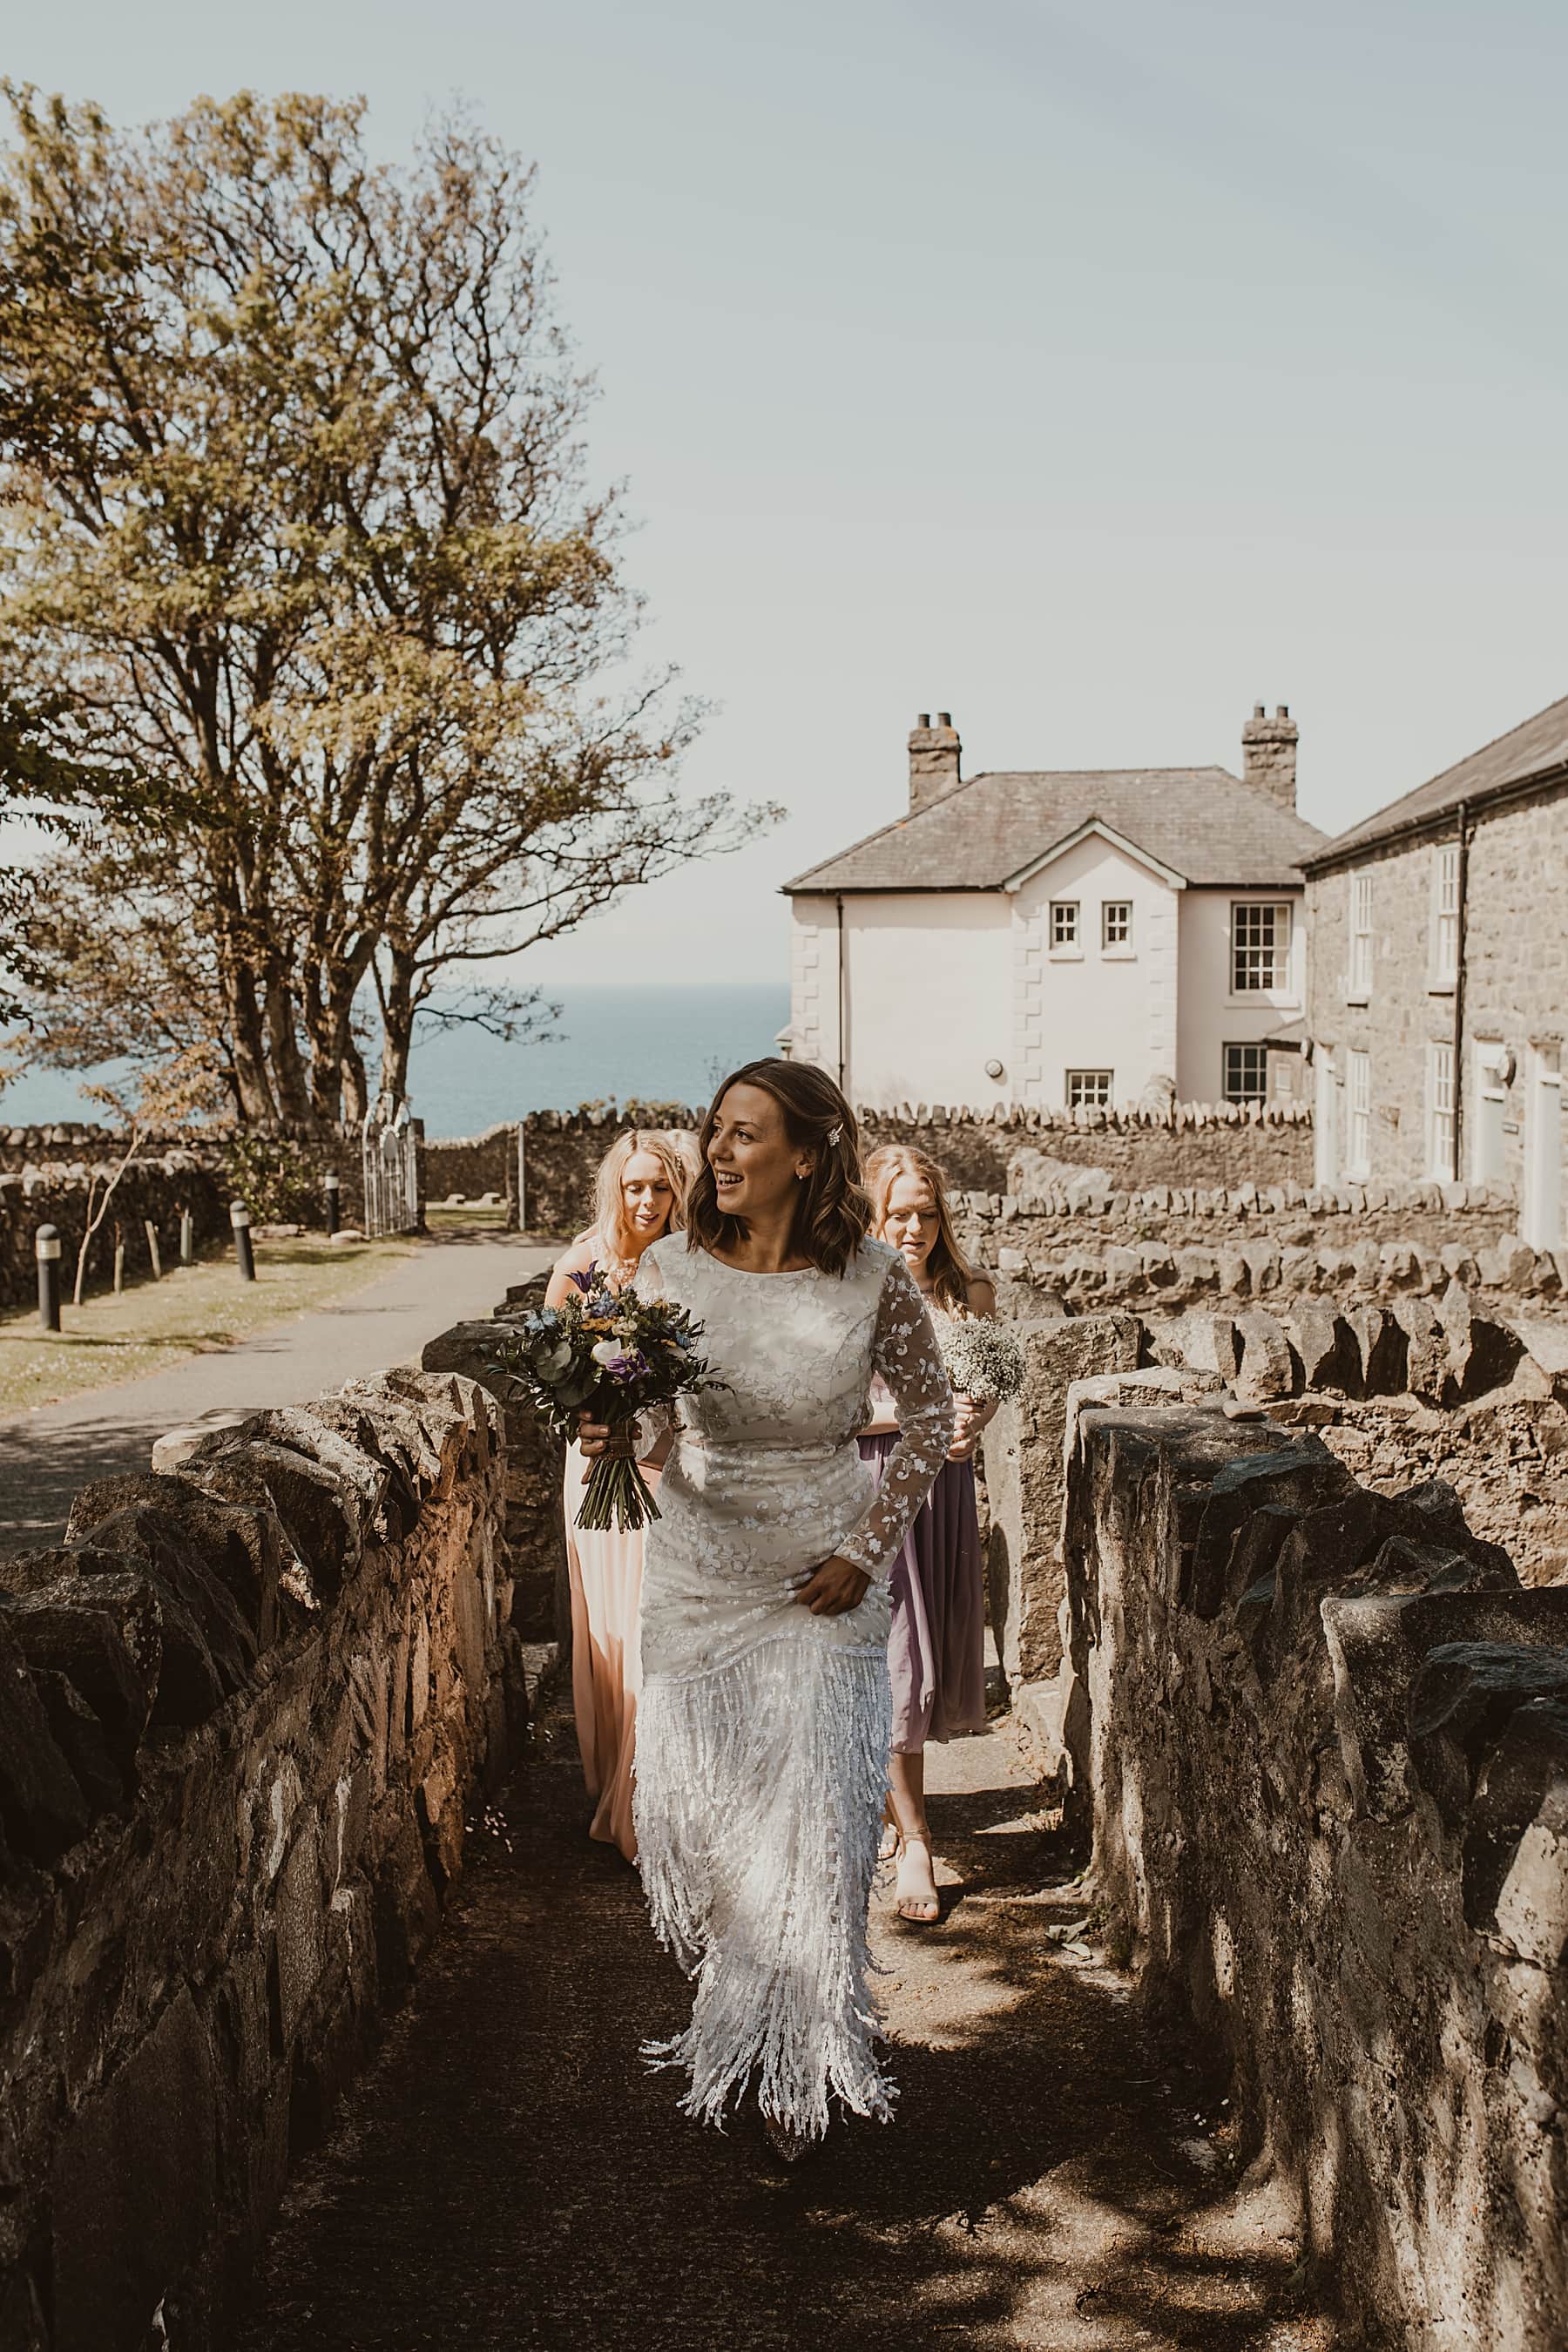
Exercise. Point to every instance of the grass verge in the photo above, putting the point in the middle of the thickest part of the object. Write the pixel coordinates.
(194, 1309)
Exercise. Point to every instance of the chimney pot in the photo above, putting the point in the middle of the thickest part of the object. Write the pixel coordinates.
(924, 719)
(1258, 711)
(1282, 710)
(944, 718)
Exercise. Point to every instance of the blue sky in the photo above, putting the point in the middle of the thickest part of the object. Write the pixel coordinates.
(1091, 371)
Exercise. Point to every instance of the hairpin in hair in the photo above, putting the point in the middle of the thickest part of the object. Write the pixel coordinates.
(835, 1135)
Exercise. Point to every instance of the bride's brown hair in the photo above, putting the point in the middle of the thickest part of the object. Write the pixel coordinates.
(833, 1211)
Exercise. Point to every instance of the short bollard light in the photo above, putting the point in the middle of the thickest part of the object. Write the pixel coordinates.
(240, 1218)
(47, 1247)
(334, 1185)
(187, 1238)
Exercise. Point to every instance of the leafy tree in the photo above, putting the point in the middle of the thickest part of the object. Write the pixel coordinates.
(46, 763)
(298, 526)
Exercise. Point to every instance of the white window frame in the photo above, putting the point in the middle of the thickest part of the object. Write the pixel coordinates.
(1484, 1128)
(1444, 951)
(1273, 978)
(1358, 978)
(1064, 926)
(1358, 1112)
(1326, 1118)
(1116, 926)
(1089, 1090)
(1540, 1194)
(1442, 1121)
(1243, 1045)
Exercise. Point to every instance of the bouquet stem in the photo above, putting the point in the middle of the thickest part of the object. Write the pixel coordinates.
(616, 1495)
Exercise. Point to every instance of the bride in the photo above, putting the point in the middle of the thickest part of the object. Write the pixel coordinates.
(762, 1742)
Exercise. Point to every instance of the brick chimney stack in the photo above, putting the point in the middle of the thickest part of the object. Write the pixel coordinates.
(1269, 753)
(934, 753)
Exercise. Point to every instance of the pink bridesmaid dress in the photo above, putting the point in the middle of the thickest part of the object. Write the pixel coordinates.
(605, 1572)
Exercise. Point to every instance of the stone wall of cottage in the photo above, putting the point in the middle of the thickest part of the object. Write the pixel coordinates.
(245, 1711)
(1515, 980)
(1320, 1739)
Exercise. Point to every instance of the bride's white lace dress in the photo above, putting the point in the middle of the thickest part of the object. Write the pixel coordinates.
(763, 1739)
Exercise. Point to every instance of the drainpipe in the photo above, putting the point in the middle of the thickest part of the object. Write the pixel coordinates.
(843, 993)
(1463, 815)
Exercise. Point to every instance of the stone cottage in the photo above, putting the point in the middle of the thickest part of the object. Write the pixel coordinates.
(1438, 947)
(1062, 938)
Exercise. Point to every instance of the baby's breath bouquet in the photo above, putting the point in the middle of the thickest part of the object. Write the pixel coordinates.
(612, 1355)
(982, 1360)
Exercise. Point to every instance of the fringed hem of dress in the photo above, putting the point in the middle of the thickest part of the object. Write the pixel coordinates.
(758, 1804)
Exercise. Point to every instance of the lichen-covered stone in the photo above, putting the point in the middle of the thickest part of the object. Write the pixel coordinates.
(226, 1831)
(1322, 1748)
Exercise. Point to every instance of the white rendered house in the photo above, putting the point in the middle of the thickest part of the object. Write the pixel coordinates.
(1062, 939)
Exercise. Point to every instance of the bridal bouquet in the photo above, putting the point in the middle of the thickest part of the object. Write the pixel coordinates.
(982, 1359)
(612, 1355)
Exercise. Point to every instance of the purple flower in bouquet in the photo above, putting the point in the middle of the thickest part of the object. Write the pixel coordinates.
(613, 1356)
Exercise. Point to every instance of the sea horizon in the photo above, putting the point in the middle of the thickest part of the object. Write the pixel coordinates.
(667, 1041)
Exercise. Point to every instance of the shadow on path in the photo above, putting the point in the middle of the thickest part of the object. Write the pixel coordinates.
(508, 2176)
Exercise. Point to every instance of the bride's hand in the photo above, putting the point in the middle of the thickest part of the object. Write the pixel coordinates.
(835, 1588)
(594, 1439)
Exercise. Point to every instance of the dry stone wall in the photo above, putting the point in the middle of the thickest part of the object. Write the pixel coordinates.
(58, 1195)
(1023, 1465)
(245, 1708)
(46, 1174)
(1401, 1390)
(1253, 1262)
(533, 1532)
(473, 1167)
(1208, 1146)
(1322, 1736)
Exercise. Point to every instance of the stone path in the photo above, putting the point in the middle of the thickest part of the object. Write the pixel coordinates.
(48, 1454)
(507, 2176)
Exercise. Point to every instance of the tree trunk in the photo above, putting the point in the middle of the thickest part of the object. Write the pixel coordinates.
(288, 1064)
(253, 1085)
(356, 1084)
(397, 1009)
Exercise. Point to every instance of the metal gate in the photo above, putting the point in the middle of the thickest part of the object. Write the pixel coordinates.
(391, 1170)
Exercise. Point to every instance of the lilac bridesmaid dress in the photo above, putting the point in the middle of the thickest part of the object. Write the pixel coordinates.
(936, 1651)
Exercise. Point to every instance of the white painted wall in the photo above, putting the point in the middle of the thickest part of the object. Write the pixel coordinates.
(937, 984)
(814, 982)
(1210, 1016)
(1099, 1008)
(927, 991)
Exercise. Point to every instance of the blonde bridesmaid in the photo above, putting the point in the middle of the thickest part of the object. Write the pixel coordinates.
(640, 1194)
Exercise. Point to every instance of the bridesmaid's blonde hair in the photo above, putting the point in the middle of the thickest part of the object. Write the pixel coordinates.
(950, 1272)
(609, 1200)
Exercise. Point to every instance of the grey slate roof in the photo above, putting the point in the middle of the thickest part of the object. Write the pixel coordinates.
(1204, 822)
(1535, 748)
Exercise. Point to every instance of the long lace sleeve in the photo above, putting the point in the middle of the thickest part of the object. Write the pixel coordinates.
(904, 1351)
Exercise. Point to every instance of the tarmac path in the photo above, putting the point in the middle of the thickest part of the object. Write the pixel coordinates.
(46, 1455)
(507, 2176)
